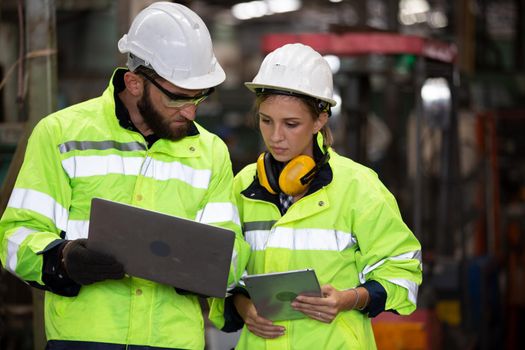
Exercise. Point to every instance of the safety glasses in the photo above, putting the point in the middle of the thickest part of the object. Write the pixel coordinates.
(177, 101)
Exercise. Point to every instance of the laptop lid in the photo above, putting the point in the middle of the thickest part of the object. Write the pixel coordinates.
(272, 293)
(163, 248)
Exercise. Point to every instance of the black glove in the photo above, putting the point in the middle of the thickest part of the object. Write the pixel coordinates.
(86, 266)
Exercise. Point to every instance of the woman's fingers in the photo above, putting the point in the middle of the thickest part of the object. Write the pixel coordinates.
(317, 310)
(264, 328)
(265, 331)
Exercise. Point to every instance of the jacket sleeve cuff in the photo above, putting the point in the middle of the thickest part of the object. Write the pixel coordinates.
(54, 274)
(232, 320)
(377, 302)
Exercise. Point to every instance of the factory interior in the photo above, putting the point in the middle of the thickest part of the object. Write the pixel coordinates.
(430, 96)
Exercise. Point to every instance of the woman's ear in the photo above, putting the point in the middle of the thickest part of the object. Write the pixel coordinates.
(134, 83)
(320, 122)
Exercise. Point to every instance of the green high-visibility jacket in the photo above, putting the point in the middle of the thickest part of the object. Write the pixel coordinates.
(82, 152)
(350, 231)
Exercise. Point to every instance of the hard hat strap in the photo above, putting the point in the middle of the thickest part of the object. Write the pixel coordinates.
(322, 106)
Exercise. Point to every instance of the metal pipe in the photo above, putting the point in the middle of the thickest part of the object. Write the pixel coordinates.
(418, 182)
(42, 91)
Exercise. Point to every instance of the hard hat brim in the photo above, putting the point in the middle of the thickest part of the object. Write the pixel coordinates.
(206, 81)
(254, 86)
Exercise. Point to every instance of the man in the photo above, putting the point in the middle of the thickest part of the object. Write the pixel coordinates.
(137, 144)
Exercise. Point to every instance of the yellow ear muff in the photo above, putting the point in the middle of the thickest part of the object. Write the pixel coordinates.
(293, 179)
(266, 178)
(290, 178)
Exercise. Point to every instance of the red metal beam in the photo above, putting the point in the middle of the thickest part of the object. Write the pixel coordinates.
(362, 43)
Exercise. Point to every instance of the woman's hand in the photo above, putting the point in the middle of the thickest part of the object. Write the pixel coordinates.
(326, 308)
(256, 324)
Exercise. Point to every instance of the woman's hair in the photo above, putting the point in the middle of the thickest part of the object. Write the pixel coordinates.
(314, 107)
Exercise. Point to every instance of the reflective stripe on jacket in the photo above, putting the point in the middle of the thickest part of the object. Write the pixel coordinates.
(350, 231)
(82, 152)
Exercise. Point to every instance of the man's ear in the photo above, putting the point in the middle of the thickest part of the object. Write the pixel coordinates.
(134, 83)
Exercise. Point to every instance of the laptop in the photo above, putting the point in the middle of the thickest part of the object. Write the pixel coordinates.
(166, 249)
(272, 293)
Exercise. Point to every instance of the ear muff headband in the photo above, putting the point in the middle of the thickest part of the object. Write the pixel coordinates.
(309, 176)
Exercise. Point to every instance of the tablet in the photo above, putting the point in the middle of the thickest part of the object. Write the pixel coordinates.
(167, 249)
(272, 293)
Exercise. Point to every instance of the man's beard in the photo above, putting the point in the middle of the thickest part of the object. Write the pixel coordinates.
(159, 125)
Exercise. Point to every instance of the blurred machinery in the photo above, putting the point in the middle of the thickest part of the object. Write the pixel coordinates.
(500, 232)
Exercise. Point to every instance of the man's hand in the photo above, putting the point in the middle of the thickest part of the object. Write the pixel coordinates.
(256, 324)
(86, 266)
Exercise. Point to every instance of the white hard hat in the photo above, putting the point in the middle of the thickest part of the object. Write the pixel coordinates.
(173, 41)
(295, 68)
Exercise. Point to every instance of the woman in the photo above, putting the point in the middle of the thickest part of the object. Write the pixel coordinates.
(304, 206)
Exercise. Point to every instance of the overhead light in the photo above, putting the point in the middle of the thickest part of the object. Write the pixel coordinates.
(414, 6)
(438, 19)
(254, 9)
(336, 110)
(436, 100)
(280, 6)
(413, 11)
(247, 10)
(334, 62)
